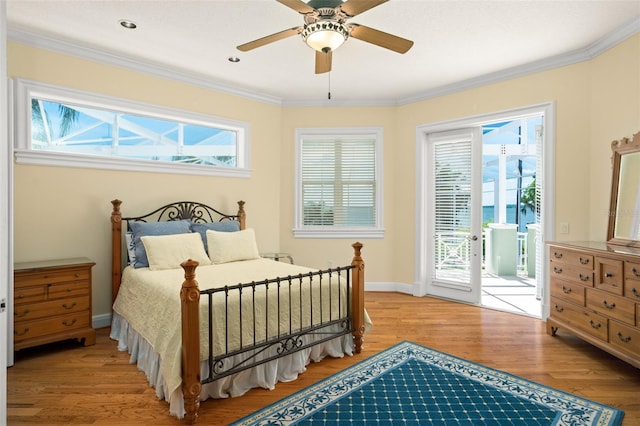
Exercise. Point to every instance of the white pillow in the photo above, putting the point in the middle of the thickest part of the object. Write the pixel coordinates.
(232, 246)
(169, 251)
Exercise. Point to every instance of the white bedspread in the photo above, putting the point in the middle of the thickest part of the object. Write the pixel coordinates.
(148, 305)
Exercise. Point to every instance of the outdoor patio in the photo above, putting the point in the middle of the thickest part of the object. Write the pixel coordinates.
(510, 293)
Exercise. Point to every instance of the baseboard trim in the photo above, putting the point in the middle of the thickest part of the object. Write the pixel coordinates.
(101, 321)
(389, 286)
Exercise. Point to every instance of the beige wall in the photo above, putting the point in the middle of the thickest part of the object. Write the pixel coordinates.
(64, 212)
(615, 113)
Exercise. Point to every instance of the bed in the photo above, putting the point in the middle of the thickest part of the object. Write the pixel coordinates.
(243, 322)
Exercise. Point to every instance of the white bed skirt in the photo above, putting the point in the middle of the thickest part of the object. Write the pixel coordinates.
(264, 376)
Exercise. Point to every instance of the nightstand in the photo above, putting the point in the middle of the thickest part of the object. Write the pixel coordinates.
(277, 256)
(52, 302)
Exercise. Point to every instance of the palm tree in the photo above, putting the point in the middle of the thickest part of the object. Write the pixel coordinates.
(68, 117)
(528, 198)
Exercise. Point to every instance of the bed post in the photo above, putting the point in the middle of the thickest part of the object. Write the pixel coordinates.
(242, 216)
(357, 307)
(190, 300)
(116, 248)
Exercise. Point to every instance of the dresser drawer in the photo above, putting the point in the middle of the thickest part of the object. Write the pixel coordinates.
(49, 309)
(29, 295)
(609, 275)
(571, 273)
(31, 278)
(632, 289)
(25, 330)
(625, 337)
(612, 306)
(569, 257)
(590, 322)
(632, 270)
(58, 291)
(568, 291)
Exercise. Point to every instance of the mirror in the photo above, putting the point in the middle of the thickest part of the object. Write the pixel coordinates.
(624, 212)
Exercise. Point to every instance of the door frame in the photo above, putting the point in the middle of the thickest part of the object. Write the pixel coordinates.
(547, 109)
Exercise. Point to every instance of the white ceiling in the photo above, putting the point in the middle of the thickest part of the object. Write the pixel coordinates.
(457, 43)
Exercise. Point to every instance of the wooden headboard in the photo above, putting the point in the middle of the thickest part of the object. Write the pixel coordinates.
(179, 210)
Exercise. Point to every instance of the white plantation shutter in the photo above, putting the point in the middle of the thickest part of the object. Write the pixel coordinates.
(338, 182)
(453, 178)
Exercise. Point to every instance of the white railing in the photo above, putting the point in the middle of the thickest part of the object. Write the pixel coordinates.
(522, 252)
(453, 251)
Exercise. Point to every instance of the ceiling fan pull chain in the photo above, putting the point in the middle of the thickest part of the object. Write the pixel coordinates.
(329, 92)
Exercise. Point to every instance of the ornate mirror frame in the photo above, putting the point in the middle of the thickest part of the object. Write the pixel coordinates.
(624, 210)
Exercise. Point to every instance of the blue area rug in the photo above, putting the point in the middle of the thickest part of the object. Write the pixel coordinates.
(409, 384)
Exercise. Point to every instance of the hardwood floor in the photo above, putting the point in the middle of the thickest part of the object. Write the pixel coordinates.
(66, 383)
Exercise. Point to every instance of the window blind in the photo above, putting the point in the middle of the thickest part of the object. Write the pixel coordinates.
(338, 178)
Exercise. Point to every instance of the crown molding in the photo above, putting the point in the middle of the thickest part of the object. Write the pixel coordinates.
(579, 55)
(589, 52)
(23, 36)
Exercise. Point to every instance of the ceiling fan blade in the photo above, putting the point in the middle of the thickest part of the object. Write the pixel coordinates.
(297, 5)
(355, 7)
(323, 62)
(269, 39)
(380, 38)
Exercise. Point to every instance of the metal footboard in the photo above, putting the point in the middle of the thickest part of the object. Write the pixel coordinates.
(309, 309)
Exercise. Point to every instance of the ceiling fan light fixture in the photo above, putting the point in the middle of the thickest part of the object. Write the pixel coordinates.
(325, 35)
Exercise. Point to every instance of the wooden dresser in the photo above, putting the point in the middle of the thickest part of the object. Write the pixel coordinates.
(595, 295)
(52, 301)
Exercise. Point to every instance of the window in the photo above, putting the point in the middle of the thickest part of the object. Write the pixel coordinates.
(65, 127)
(338, 183)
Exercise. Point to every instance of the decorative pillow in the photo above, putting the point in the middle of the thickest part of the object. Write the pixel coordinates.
(131, 249)
(232, 246)
(140, 229)
(226, 226)
(169, 251)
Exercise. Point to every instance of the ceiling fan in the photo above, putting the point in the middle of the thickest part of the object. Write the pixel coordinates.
(325, 29)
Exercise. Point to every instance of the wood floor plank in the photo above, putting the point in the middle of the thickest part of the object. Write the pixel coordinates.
(66, 383)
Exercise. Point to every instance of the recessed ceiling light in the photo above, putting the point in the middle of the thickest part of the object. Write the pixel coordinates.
(130, 25)
(234, 59)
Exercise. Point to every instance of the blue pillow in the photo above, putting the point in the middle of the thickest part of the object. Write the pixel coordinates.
(141, 229)
(225, 226)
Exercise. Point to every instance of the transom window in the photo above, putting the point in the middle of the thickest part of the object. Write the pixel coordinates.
(65, 127)
(338, 183)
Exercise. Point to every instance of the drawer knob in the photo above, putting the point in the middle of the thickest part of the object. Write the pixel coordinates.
(584, 261)
(17, 333)
(608, 305)
(566, 290)
(557, 270)
(77, 275)
(558, 308)
(608, 275)
(585, 278)
(635, 272)
(557, 255)
(594, 324)
(23, 314)
(635, 292)
(73, 305)
(624, 339)
(69, 324)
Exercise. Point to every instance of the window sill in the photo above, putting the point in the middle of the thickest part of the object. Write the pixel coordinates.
(45, 158)
(339, 233)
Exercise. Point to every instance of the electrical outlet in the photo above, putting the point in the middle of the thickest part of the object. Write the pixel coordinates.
(564, 227)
